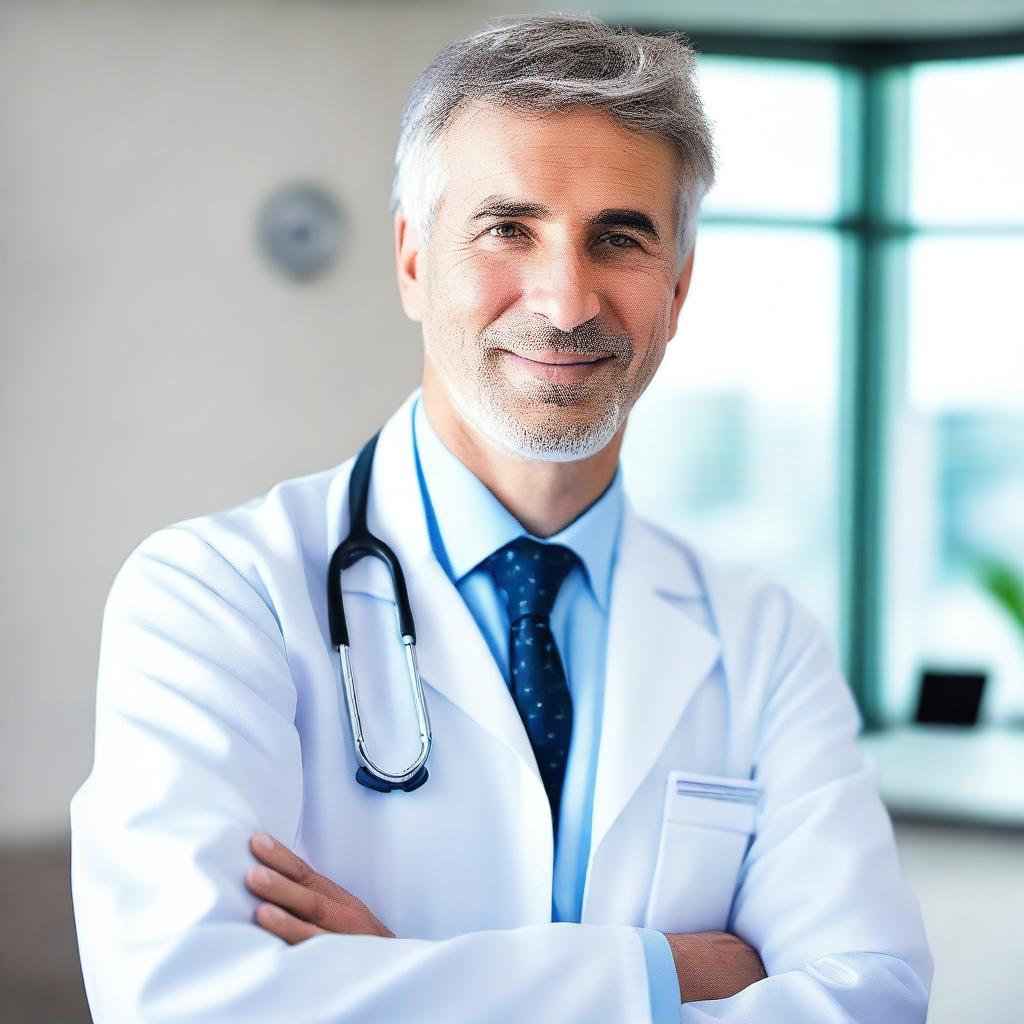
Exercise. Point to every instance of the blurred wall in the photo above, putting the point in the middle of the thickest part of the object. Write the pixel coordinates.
(155, 367)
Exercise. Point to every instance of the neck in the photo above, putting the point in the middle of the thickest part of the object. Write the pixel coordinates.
(544, 496)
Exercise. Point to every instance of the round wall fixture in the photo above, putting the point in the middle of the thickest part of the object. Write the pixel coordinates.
(300, 230)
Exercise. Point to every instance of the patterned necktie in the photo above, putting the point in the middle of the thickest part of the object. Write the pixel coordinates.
(528, 575)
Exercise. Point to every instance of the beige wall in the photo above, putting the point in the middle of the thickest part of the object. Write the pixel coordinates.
(155, 367)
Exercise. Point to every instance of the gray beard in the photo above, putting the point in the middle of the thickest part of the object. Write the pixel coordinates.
(526, 442)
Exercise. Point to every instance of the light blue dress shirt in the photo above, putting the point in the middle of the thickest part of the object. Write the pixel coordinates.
(466, 524)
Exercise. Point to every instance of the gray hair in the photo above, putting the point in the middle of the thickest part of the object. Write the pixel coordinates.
(556, 62)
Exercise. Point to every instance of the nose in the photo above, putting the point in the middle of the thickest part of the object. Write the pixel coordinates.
(563, 291)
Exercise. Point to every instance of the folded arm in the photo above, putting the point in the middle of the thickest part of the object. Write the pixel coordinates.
(713, 965)
(196, 749)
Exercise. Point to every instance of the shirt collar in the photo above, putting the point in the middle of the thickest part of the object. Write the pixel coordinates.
(467, 522)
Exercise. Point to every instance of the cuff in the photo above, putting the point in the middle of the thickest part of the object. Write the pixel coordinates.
(662, 979)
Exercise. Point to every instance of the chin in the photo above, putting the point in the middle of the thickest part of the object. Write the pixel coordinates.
(546, 437)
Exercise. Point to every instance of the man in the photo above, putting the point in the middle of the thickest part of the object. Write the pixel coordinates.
(644, 799)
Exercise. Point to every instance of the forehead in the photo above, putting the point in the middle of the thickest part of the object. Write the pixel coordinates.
(581, 157)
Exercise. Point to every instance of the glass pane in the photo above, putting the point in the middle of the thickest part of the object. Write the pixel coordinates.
(734, 444)
(966, 323)
(777, 133)
(956, 477)
(967, 141)
(956, 501)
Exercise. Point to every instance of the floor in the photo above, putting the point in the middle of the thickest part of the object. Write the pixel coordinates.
(970, 882)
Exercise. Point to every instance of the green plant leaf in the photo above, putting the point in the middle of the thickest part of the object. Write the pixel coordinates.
(1005, 585)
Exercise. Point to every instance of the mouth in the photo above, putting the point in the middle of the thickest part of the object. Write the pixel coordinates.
(557, 367)
(561, 358)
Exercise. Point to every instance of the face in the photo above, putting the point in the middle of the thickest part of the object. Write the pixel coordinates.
(549, 287)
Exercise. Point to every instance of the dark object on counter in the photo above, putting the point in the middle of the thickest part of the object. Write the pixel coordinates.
(950, 698)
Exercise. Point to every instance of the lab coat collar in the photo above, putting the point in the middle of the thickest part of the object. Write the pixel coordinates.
(657, 657)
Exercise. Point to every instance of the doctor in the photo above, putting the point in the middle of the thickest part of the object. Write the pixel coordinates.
(645, 802)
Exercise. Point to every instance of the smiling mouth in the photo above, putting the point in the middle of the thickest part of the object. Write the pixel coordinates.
(557, 367)
(561, 359)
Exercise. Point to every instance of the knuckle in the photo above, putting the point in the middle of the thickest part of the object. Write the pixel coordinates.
(320, 912)
(304, 874)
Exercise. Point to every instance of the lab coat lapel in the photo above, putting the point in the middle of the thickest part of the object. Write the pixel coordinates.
(453, 656)
(656, 659)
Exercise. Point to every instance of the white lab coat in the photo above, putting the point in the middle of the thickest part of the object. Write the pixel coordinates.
(220, 713)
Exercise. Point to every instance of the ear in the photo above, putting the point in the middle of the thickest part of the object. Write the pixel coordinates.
(682, 287)
(407, 252)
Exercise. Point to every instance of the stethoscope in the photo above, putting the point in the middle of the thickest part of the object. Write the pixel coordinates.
(359, 543)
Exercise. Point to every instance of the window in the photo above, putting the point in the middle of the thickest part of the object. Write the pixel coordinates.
(957, 425)
(843, 403)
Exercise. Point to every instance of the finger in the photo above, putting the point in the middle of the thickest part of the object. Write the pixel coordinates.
(317, 899)
(292, 866)
(284, 925)
(312, 907)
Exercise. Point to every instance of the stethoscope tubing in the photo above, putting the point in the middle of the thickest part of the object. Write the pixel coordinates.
(360, 543)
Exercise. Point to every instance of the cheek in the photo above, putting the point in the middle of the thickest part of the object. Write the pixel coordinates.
(643, 305)
(477, 290)
(643, 301)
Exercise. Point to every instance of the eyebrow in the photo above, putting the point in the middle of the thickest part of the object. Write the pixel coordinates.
(612, 217)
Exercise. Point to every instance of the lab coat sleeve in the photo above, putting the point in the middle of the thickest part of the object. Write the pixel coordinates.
(821, 895)
(196, 749)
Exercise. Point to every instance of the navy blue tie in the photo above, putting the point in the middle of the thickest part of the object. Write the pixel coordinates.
(528, 575)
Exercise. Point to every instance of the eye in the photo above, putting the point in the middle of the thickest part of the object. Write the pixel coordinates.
(516, 231)
(633, 243)
(500, 227)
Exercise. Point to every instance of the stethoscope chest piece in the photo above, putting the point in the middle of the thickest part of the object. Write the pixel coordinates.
(358, 544)
(368, 780)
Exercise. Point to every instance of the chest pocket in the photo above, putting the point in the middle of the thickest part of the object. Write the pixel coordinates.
(706, 826)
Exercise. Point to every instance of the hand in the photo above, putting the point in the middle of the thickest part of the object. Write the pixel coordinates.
(302, 903)
(713, 965)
